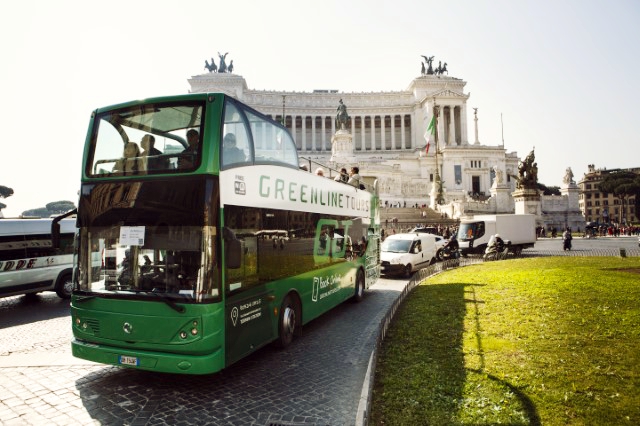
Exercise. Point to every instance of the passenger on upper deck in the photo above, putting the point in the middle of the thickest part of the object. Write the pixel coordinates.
(131, 161)
(354, 177)
(187, 160)
(154, 163)
(230, 152)
(343, 176)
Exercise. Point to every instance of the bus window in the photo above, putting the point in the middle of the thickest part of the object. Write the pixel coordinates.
(146, 140)
(272, 144)
(167, 260)
(236, 146)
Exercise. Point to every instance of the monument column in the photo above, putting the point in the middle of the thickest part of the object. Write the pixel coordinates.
(304, 133)
(373, 133)
(412, 131)
(463, 124)
(363, 138)
(402, 136)
(393, 131)
(383, 136)
(324, 131)
(475, 119)
(450, 136)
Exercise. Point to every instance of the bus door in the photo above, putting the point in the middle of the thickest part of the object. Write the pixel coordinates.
(249, 322)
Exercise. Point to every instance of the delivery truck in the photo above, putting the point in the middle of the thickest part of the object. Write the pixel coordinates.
(474, 232)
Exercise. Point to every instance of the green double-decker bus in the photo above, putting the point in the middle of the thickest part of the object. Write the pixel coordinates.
(201, 239)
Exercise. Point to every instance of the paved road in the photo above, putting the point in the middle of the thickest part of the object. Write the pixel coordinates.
(317, 380)
(630, 244)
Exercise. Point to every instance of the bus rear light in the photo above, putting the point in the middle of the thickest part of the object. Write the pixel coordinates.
(183, 334)
(194, 331)
(275, 312)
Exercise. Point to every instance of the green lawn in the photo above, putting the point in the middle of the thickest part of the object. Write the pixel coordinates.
(551, 341)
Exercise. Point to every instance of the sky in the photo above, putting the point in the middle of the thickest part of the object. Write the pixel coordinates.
(560, 77)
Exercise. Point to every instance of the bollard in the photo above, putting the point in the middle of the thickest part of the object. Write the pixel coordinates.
(623, 252)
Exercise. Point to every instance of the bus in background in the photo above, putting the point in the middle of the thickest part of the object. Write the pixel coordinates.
(213, 241)
(29, 263)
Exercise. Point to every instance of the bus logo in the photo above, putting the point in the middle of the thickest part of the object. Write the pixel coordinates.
(234, 315)
(240, 187)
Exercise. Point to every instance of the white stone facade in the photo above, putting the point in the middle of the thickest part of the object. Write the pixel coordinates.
(387, 134)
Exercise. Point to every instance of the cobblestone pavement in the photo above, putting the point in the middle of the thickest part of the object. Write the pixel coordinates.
(318, 380)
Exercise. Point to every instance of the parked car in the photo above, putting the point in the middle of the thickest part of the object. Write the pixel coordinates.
(403, 254)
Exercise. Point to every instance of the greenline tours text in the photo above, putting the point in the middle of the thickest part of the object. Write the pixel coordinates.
(295, 192)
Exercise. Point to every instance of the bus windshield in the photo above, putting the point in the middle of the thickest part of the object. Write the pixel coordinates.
(147, 139)
(168, 260)
(142, 239)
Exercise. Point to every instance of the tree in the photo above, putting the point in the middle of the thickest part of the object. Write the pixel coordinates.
(623, 185)
(548, 190)
(5, 191)
(60, 207)
(51, 209)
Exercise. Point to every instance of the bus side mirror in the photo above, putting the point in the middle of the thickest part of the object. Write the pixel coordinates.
(233, 249)
(55, 235)
(55, 228)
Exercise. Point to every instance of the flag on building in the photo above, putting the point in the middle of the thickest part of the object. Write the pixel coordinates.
(431, 130)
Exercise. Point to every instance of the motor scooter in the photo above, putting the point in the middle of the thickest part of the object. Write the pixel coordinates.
(497, 249)
(449, 253)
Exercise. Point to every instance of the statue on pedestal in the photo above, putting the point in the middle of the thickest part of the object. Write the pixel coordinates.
(223, 65)
(428, 60)
(568, 177)
(212, 67)
(342, 117)
(499, 180)
(527, 173)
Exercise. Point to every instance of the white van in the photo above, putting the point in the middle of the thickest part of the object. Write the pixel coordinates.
(402, 254)
(29, 264)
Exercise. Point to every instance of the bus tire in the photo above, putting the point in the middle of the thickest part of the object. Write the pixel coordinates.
(289, 321)
(64, 286)
(359, 287)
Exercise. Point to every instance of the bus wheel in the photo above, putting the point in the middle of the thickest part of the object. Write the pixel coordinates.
(359, 287)
(64, 286)
(288, 321)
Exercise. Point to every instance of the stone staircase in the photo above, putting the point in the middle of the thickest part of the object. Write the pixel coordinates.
(405, 218)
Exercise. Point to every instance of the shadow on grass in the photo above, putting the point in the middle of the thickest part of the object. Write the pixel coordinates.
(430, 351)
(529, 408)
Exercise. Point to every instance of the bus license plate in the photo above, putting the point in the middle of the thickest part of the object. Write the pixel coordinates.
(128, 360)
